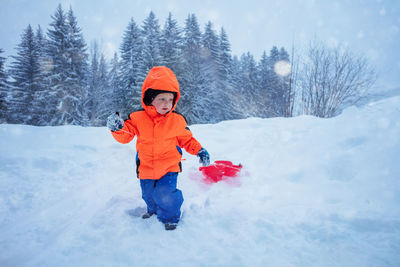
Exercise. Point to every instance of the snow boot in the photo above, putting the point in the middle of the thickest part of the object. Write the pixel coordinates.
(147, 215)
(170, 226)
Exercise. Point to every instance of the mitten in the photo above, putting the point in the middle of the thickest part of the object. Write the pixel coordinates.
(115, 122)
(204, 157)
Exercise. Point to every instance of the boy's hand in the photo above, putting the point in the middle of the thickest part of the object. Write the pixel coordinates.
(115, 122)
(204, 157)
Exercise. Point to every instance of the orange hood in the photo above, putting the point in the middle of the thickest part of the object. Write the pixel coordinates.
(160, 78)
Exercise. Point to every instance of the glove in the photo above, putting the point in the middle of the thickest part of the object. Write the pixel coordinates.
(115, 122)
(204, 157)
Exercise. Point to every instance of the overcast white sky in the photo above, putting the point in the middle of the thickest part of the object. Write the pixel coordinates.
(368, 27)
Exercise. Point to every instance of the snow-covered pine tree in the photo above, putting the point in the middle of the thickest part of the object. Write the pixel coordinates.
(224, 63)
(248, 86)
(211, 48)
(278, 93)
(56, 64)
(171, 46)
(275, 91)
(210, 98)
(131, 66)
(193, 81)
(53, 65)
(24, 71)
(66, 69)
(105, 93)
(3, 89)
(224, 72)
(99, 102)
(39, 101)
(236, 99)
(78, 67)
(3, 75)
(93, 83)
(264, 101)
(115, 84)
(151, 34)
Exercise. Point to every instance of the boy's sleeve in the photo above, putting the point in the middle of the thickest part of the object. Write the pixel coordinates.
(126, 134)
(187, 141)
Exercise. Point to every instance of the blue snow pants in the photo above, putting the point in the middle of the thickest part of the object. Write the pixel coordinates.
(162, 197)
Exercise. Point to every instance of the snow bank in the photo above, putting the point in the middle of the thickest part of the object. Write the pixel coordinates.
(313, 192)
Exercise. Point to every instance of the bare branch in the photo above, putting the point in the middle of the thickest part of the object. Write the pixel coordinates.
(332, 79)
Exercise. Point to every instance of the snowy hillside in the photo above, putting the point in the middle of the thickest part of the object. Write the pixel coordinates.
(313, 192)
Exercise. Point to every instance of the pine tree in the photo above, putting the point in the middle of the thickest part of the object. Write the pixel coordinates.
(131, 65)
(3, 89)
(151, 43)
(78, 67)
(275, 90)
(224, 72)
(193, 80)
(265, 102)
(209, 97)
(99, 100)
(24, 71)
(66, 69)
(93, 84)
(211, 46)
(3, 76)
(55, 65)
(236, 98)
(77, 49)
(224, 63)
(248, 85)
(105, 93)
(278, 84)
(115, 85)
(39, 101)
(171, 46)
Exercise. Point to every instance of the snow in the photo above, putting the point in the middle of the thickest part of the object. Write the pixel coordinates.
(312, 192)
(282, 68)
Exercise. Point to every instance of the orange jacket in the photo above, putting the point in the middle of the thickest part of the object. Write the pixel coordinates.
(159, 137)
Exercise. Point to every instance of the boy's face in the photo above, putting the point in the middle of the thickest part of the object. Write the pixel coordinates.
(163, 102)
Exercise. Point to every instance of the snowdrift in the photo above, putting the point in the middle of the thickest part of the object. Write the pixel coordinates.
(312, 192)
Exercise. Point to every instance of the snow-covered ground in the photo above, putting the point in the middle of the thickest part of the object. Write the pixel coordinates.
(312, 192)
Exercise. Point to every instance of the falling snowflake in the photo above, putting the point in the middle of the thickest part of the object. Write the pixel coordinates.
(282, 68)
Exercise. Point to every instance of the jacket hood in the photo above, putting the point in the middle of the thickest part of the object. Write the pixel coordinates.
(163, 79)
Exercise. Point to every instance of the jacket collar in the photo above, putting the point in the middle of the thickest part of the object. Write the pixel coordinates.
(154, 115)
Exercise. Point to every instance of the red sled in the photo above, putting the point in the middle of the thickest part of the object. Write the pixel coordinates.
(220, 169)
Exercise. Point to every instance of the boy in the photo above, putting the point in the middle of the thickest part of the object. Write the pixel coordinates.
(161, 132)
